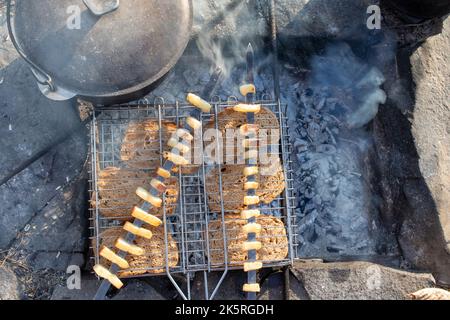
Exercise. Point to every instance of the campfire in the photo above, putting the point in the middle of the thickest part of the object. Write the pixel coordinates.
(204, 208)
(235, 143)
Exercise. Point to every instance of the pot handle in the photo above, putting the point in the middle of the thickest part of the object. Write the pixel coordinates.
(41, 76)
(102, 7)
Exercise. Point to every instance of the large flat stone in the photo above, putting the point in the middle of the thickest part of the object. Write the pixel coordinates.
(425, 232)
(57, 236)
(431, 123)
(153, 288)
(29, 122)
(308, 280)
(272, 288)
(358, 281)
(138, 290)
(9, 287)
(45, 200)
(321, 19)
(421, 237)
(87, 291)
(412, 134)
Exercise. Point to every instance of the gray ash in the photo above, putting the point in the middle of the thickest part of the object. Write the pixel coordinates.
(336, 207)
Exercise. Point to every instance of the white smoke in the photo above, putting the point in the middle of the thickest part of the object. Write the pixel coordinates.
(227, 28)
(352, 80)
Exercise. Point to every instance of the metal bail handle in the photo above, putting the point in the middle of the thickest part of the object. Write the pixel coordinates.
(40, 75)
(102, 7)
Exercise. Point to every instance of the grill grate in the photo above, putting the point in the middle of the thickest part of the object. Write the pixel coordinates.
(198, 247)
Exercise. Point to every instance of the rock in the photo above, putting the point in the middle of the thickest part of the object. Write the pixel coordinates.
(425, 232)
(89, 287)
(231, 288)
(134, 289)
(138, 290)
(58, 234)
(60, 261)
(358, 281)
(273, 288)
(321, 19)
(54, 217)
(9, 287)
(421, 237)
(27, 196)
(29, 125)
(29, 122)
(153, 288)
(431, 124)
(408, 208)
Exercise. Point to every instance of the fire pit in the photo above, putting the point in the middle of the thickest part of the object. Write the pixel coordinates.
(353, 179)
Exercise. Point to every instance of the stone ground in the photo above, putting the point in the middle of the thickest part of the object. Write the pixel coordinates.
(412, 134)
(309, 280)
(431, 132)
(358, 281)
(9, 287)
(43, 180)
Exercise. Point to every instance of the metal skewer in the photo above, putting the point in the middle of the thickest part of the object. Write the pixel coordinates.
(168, 165)
(250, 98)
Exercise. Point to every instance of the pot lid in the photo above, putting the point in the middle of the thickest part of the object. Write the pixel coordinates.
(103, 47)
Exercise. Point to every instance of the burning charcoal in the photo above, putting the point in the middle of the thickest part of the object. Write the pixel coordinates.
(311, 234)
(362, 244)
(321, 104)
(299, 171)
(303, 133)
(308, 220)
(309, 208)
(334, 230)
(309, 193)
(334, 188)
(327, 149)
(356, 223)
(300, 145)
(326, 194)
(302, 188)
(307, 98)
(317, 200)
(191, 78)
(333, 249)
(332, 138)
(314, 131)
(332, 165)
(308, 165)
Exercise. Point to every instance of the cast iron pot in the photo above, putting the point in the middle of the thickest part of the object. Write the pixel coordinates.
(104, 51)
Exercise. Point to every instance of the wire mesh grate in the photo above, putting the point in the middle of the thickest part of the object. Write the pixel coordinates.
(203, 231)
